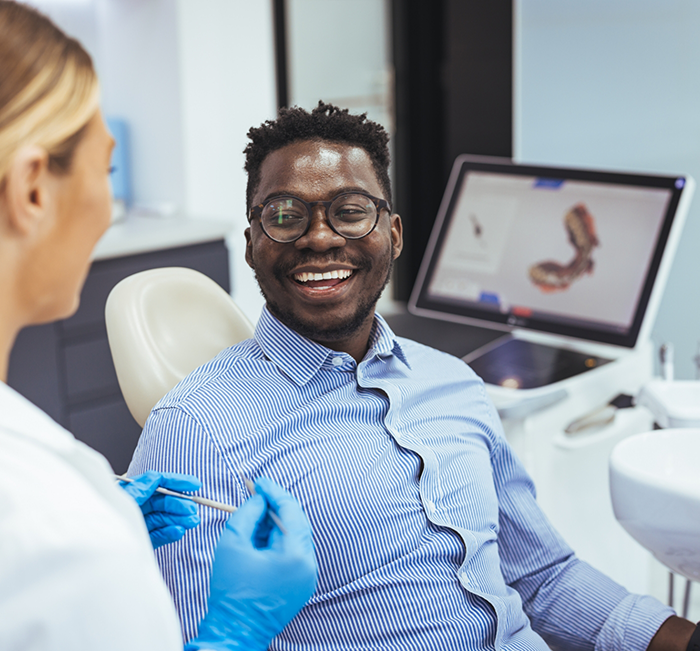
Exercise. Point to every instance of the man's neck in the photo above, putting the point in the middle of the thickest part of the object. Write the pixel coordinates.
(357, 349)
(356, 345)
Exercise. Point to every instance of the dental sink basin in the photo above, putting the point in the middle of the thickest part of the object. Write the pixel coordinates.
(655, 489)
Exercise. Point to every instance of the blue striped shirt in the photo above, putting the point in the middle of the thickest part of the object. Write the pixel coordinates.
(426, 527)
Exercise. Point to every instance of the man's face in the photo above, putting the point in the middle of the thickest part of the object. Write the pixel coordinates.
(333, 310)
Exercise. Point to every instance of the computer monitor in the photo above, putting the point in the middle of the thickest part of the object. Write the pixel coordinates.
(573, 252)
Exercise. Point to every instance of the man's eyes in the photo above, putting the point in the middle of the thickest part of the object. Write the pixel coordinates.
(286, 217)
(352, 211)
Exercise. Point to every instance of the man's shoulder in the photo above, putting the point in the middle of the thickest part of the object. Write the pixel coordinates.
(231, 370)
(418, 353)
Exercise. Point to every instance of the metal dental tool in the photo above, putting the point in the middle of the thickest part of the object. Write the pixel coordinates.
(193, 498)
(273, 516)
(600, 417)
(211, 503)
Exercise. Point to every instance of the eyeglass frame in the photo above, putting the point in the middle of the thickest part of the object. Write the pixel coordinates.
(379, 204)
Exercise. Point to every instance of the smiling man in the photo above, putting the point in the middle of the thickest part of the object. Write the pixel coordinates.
(320, 199)
(427, 531)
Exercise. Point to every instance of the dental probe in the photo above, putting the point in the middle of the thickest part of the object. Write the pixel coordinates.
(273, 516)
(207, 502)
(193, 498)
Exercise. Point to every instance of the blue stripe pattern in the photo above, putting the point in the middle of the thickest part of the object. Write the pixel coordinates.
(427, 531)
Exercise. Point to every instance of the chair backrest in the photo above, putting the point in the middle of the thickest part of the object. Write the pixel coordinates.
(164, 323)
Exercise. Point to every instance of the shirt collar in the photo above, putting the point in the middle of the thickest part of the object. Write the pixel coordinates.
(384, 342)
(300, 358)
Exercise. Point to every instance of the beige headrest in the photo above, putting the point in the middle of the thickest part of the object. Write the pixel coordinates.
(164, 323)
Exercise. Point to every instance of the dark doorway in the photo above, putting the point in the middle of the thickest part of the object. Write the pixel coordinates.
(454, 76)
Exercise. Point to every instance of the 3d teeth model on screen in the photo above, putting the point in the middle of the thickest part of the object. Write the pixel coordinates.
(306, 276)
(552, 276)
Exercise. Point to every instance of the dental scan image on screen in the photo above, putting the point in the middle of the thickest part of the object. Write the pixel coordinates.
(576, 251)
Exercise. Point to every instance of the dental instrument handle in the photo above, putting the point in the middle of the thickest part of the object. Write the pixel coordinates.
(193, 498)
(204, 501)
(273, 516)
(666, 354)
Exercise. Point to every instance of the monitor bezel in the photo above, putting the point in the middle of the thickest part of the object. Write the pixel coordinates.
(422, 303)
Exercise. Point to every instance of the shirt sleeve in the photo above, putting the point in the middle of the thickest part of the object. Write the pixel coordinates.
(174, 441)
(569, 603)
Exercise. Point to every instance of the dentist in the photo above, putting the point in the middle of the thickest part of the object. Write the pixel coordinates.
(76, 565)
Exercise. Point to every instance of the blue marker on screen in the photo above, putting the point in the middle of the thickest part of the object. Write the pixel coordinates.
(490, 298)
(549, 184)
(121, 176)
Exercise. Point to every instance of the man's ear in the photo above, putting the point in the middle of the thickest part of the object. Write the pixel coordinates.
(26, 190)
(248, 247)
(396, 235)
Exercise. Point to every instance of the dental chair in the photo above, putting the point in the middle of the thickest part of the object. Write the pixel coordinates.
(161, 325)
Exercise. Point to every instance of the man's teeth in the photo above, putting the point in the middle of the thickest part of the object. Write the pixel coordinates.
(306, 276)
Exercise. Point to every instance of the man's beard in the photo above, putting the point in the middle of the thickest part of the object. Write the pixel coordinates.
(349, 326)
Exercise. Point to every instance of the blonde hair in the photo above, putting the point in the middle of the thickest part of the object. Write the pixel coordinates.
(48, 88)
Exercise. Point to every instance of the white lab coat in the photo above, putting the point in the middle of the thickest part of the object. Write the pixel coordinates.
(77, 570)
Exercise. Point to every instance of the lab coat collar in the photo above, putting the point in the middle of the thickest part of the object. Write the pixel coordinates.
(19, 416)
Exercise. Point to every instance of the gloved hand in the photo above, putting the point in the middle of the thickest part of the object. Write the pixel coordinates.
(261, 577)
(167, 517)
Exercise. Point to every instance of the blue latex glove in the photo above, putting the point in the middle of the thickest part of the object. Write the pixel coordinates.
(261, 577)
(167, 517)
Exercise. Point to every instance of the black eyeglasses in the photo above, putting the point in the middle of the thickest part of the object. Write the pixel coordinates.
(351, 215)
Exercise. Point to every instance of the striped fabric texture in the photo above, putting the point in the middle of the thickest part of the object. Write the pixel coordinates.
(427, 531)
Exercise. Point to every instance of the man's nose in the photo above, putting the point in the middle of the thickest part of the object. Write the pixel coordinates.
(320, 236)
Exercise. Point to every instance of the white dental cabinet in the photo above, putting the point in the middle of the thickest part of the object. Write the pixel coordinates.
(66, 367)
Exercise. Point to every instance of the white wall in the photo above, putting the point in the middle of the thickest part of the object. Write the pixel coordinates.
(226, 60)
(615, 84)
(190, 77)
(137, 62)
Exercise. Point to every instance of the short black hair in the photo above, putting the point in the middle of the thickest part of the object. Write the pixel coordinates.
(325, 122)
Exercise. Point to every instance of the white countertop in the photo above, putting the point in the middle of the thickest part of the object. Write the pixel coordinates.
(142, 234)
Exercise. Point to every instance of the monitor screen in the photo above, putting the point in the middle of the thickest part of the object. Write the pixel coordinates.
(571, 252)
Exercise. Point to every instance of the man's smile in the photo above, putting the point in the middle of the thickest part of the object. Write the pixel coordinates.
(322, 279)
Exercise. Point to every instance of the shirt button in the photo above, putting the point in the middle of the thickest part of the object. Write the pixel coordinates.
(430, 505)
(464, 578)
(337, 361)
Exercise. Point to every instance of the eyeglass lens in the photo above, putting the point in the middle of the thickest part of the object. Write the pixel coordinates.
(352, 215)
